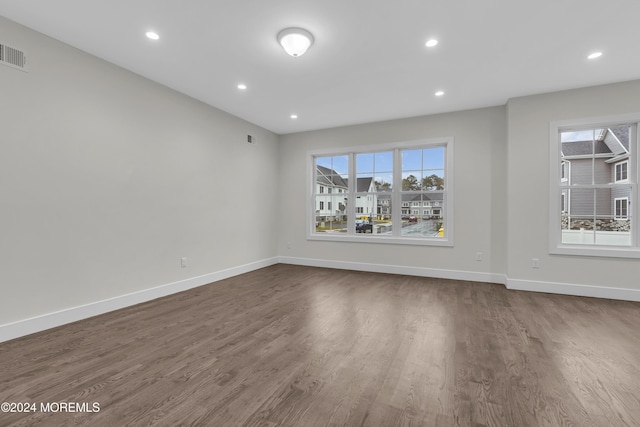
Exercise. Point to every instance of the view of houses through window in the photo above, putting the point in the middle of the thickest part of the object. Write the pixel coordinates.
(596, 192)
(399, 192)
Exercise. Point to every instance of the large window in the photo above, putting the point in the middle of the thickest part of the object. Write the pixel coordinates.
(594, 187)
(377, 194)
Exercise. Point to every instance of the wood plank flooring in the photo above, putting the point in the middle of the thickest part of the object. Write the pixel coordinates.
(301, 346)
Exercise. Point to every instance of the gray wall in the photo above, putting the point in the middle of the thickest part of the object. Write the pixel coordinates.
(480, 189)
(528, 186)
(107, 179)
(501, 197)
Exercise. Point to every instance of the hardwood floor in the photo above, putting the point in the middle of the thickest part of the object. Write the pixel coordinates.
(300, 346)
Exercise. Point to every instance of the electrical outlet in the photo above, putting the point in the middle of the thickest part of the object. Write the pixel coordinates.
(250, 139)
(535, 263)
(183, 262)
(478, 256)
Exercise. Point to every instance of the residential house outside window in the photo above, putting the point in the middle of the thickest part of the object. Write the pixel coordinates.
(330, 206)
(593, 187)
(365, 183)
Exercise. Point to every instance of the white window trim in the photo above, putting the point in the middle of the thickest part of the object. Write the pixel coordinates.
(566, 164)
(351, 236)
(615, 212)
(555, 227)
(615, 171)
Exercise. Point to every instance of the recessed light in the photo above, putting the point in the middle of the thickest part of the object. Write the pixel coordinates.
(431, 43)
(595, 55)
(152, 35)
(439, 93)
(242, 86)
(294, 116)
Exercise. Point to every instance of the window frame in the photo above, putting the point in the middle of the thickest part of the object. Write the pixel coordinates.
(615, 171)
(556, 182)
(615, 208)
(565, 170)
(396, 193)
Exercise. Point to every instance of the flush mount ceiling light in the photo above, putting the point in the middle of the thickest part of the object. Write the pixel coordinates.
(595, 55)
(152, 35)
(431, 43)
(295, 41)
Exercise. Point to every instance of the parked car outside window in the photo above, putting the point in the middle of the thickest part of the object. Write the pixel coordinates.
(363, 226)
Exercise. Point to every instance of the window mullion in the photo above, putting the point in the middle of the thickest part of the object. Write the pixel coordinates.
(352, 187)
(632, 176)
(396, 196)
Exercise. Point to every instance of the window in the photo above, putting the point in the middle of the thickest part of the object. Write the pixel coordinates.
(367, 183)
(621, 171)
(564, 170)
(621, 208)
(593, 187)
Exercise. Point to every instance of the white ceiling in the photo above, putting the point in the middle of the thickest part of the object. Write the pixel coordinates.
(369, 61)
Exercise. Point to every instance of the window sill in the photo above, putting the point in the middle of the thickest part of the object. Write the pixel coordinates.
(596, 251)
(368, 238)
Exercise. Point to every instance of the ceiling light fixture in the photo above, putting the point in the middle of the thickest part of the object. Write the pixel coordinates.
(431, 43)
(294, 116)
(439, 93)
(242, 86)
(595, 55)
(152, 35)
(295, 41)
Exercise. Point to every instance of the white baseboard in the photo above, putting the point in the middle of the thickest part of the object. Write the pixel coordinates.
(575, 290)
(515, 284)
(51, 320)
(397, 269)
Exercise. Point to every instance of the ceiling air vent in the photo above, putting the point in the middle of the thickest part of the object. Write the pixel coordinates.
(13, 57)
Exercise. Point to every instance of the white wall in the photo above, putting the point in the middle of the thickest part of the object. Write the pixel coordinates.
(480, 189)
(107, 179)
(528, 190)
